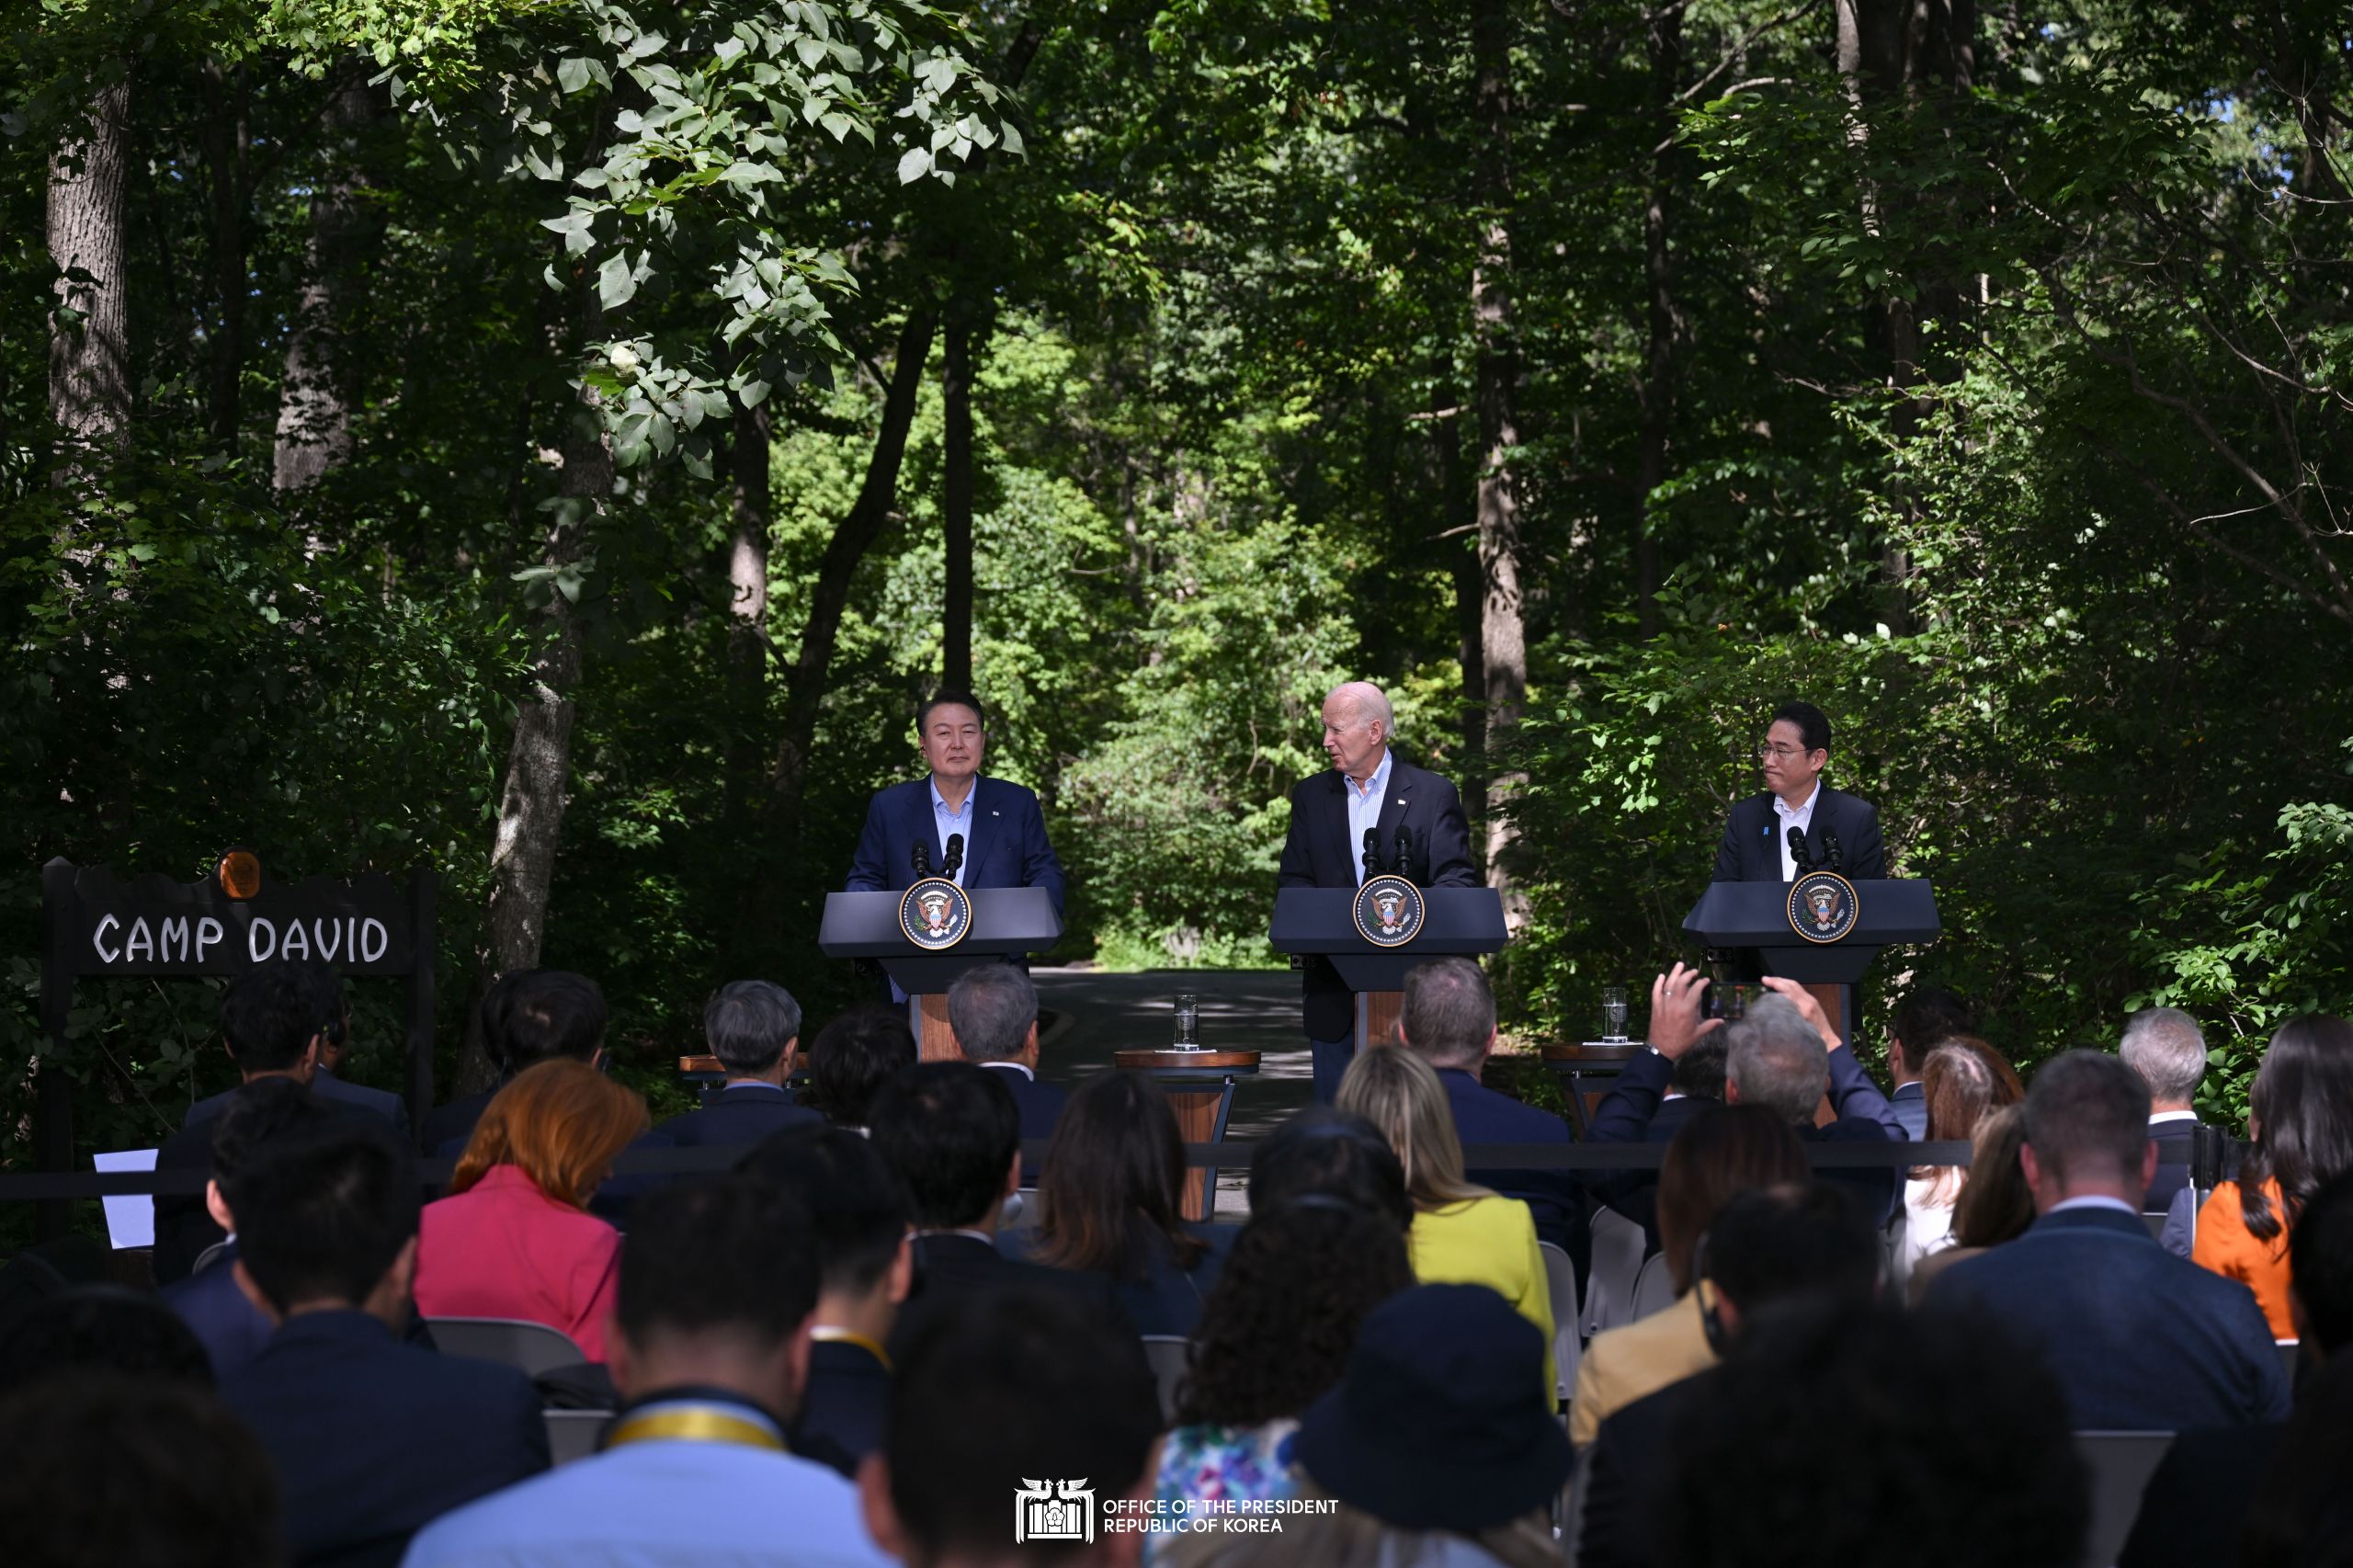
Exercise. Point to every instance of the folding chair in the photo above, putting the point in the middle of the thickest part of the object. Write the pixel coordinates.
(2120, 1463)
(528, 1347)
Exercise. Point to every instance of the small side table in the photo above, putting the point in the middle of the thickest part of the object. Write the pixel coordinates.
(1587, 1071)
(1200, 1085)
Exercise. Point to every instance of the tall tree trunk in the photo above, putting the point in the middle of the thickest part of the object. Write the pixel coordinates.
(1665, 44)
(89, 342)
(956, 485)
(316, 406)
(1457, 515)
(753, 508)
(1502, 637)
(227, 140)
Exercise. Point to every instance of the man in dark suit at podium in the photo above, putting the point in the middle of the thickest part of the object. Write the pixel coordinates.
(1004, 832)
(1369, 788)
(1756, 845)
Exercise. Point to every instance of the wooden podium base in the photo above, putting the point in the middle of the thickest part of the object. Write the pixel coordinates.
(1377, 1016)
(927, 1016)
(1199, 1086)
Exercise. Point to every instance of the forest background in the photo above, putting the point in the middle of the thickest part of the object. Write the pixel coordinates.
(557, 443)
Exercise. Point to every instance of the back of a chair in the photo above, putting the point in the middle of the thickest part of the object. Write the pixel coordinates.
(573, 1433)
(1653, 1287)
(528, 1347)
(1617, 1251)
(1170, 1355)
(1568, 1340)
(2292, 1359)
(2120, 1463)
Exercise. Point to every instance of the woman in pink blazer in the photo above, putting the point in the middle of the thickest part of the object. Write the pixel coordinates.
(514, 1240)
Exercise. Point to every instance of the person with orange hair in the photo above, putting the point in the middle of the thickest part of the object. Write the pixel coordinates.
(514, 1239)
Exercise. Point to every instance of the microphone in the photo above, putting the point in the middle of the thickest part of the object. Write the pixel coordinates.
(1799, 854)
(921, 858)
(1372, 852)
(955, 855)
(1832, 855)
(1405, 850)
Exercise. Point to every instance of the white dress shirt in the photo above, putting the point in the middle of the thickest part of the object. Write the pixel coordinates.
(1364, 811)
(1801, 818)
(945, 821)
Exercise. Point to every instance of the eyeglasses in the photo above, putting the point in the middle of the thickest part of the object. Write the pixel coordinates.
(1767, 748)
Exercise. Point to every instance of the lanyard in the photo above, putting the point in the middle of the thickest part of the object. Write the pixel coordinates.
(693, 1424)
(844, 1337)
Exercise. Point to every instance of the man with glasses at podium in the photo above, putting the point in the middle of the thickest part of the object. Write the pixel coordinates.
(1368, 790)
(1839, 832)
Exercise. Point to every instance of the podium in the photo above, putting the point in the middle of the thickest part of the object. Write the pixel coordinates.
(1199, 1083)
(1007, 923)
(1756, 915)
(1320, 923)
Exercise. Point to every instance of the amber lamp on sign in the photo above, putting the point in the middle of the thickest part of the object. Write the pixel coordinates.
(240, 873)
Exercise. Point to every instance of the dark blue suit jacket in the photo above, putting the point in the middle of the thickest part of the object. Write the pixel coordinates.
(1751, 850)
(1910, 1104)
(1483, 1115)
(742, 1115)
(1040, 1104)
(2139, 1339)
(1168, 1299)
(2172, 1141)
(389, 1106)
(374, 1439)
(844, 1404)
(1317, 854)
(1635, 1194)
(231, 1328)
(1007, 847)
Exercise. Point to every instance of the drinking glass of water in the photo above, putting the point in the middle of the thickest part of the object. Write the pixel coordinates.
(1188, 1021)
(1613, 1012)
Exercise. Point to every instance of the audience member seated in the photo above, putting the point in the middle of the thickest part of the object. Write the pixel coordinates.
(210, 1300)
(372, 1438)
(993, 1008)
(710, 1348)
(1274, 1337)
(273, 1019)
(1462, 1234)
(1996, 1205)
(1963, 1079)
(125, 1468)
(1113, 1198)
(99, 1328)
(2203, 1493)
(856, 1054)
(949, 1132)
(1450, 1022)
(2139, 1340)
(514, 1239)
(1023, 1392)
(1925, 1018)
(1324, 1151)
(859, 1218)
(1434, 1447)
(1711, 1160)
(1694, 1088)
(327, 1083)
(2166, 1046)
(1848, 1434)
(537, 1015)
(2300, 1115)
(753, 1026)
(1768, 1246)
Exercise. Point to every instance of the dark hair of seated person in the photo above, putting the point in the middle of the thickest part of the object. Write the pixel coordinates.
(1996, 1205)
(1699, 1071)
(2320, 1267)
(1336, 1153)
(1114, 1183)
(731, 1254)
(854, 1055)
(262, 1111)
(122, 1468)
(2301, 1513)
(1024, 1383)
(1712, 1157)
(1276, 1330)
(2302, 1106)
(1769, 1244)
(1846, 1432)
(857, 1211)
(543, 1015)
(322, 1214)
(95, 1328)
(951, 1131)
(270, 1013)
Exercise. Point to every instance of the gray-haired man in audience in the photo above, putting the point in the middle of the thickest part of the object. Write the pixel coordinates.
(993, 1008)
(2166, 1046)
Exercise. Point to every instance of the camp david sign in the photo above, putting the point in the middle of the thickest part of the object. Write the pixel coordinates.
(231, 921)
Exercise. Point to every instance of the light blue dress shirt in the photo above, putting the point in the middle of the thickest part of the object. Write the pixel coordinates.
(1364, 811)
(945, 821)
(662, 1502)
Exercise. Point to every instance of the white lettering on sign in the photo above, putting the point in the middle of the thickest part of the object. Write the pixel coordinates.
(98, 939)
(297, 945)
(329, 936)
(373, 939)
(207, 932)
(141, 943)
(174, 929)
(255, 948)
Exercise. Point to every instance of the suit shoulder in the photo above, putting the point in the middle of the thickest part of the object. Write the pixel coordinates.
(1005, 789)
(1420, 777)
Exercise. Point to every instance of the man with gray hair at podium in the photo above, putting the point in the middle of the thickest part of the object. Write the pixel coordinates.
(1369, 789)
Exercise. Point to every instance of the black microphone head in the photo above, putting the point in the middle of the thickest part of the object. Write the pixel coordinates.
(1372, 849)
(955, 854)
(921, 858)
(1833, 857)
(1798, 851)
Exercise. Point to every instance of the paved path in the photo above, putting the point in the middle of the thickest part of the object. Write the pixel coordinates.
(1252, 1009)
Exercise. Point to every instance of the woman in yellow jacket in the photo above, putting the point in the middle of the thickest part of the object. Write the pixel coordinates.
(1462, 1234)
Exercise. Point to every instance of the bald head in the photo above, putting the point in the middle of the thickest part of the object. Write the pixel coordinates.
(1357, 727)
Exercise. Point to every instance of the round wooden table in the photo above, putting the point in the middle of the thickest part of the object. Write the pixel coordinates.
(1586, 1071)
(1200, 1085)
